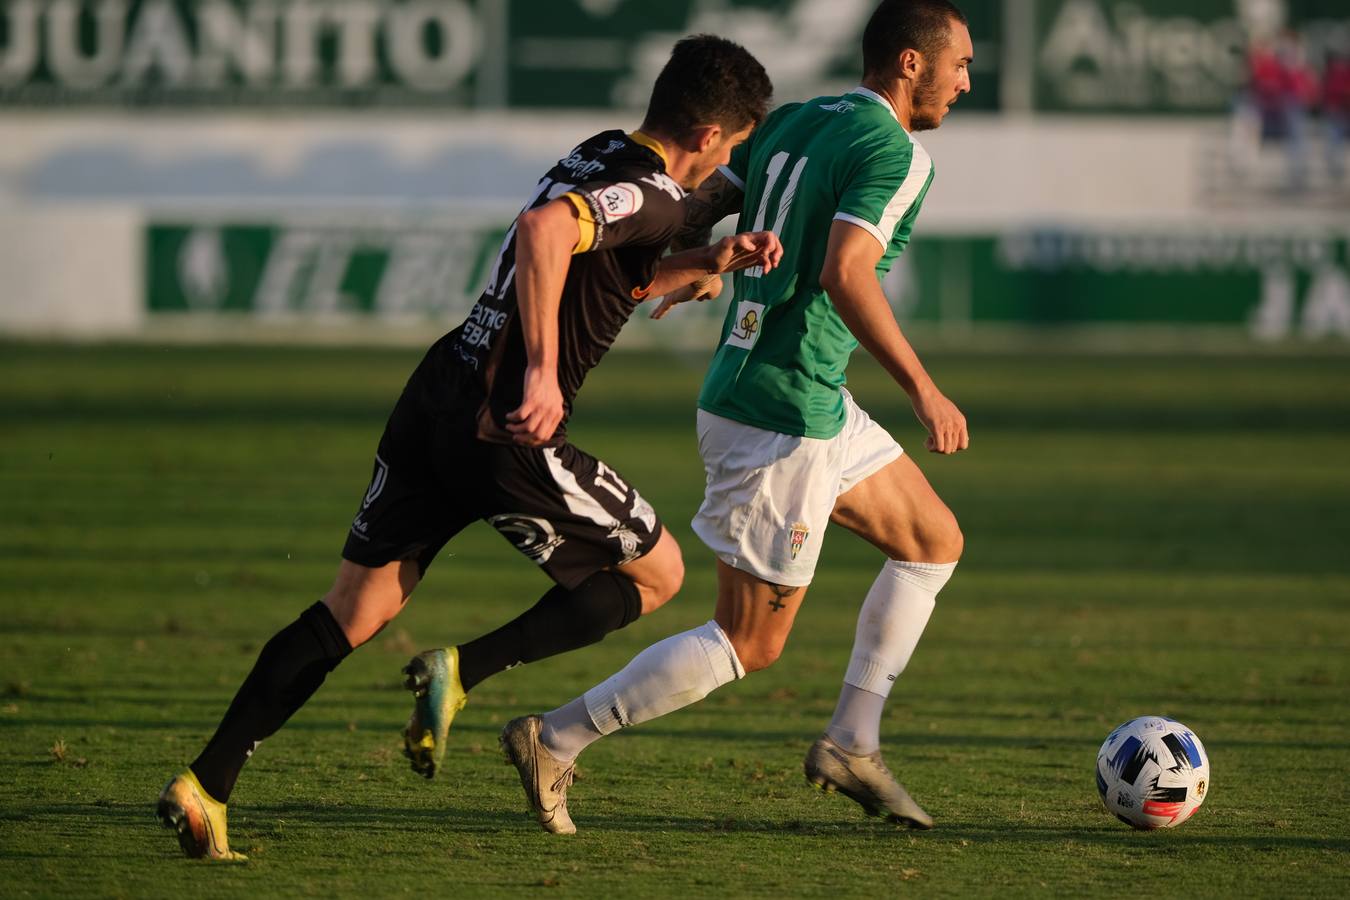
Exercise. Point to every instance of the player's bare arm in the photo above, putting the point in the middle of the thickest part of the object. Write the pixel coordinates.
(730, 254)
(545, 239)
(849, 277)
(711, 202)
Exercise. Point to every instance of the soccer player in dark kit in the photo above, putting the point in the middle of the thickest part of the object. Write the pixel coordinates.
(479, 433)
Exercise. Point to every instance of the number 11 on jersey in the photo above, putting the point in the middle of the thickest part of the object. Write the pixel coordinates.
(777, 164)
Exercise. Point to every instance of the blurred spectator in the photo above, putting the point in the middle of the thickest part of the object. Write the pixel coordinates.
(1336, 110)
(1281, 89)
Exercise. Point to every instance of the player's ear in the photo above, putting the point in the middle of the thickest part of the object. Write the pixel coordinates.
(705, 137)
(910, 64)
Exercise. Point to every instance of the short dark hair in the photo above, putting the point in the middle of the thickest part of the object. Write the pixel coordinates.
(900, 25)
(708, 81)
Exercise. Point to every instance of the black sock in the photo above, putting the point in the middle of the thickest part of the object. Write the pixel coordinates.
(562, 620)
(289, 670)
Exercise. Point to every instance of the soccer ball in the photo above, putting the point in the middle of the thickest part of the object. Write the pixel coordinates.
(1152, 772)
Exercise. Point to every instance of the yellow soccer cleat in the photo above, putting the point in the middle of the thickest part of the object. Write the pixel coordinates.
(433, 678)
(199, 820)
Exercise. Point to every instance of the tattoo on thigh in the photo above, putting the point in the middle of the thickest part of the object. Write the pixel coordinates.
(781, 592)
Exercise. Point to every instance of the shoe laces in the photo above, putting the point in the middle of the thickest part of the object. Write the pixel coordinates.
(564, 781)
(875, 757)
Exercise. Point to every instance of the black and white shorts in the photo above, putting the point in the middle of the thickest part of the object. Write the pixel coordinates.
(563, 508)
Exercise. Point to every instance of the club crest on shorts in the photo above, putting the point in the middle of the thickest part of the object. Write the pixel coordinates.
(747, 325)
(798, 533)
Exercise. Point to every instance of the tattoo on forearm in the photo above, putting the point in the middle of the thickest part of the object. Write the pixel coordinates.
(713, 200)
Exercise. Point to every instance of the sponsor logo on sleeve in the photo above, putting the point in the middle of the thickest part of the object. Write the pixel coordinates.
(663, 182)
(580, 166)
(745, 330)
(618, 201)
(840, 106)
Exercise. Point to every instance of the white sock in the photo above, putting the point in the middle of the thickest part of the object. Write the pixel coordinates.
(663, 678)
(892, 620)
(568, 730)
(856, 725)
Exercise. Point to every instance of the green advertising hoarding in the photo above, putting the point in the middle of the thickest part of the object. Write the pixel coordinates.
(1164, 56)
(392, 271)
(573, 54)
(1273, 284)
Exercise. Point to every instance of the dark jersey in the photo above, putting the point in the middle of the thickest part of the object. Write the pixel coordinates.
(628, 211)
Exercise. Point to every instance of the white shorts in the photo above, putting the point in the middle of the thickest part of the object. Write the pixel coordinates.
(769, 495)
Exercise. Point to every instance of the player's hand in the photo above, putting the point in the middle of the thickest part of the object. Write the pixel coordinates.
(946, 425)
(750, 248)
(541, 408)
(709, 287)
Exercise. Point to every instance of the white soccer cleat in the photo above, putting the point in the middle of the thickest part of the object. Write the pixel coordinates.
(865, 780)
(544, 778)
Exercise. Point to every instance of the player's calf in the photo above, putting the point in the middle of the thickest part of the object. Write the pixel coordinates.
(564, 619)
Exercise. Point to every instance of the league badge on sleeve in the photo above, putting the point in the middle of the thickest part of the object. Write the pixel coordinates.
(618, 201)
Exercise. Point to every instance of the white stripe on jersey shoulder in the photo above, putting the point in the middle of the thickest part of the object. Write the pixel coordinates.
(873, 95)
(865, 225)
(732, 177)
(920, 167)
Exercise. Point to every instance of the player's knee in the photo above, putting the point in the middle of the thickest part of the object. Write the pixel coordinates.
(937, 540)
(660, 576)
(949, 542)
(756, 653)
(362, 605)
(604, 602)
(669, 579)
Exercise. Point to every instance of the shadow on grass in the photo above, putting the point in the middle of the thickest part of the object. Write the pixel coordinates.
(1110, 835)
(738, 741)
(270, 821)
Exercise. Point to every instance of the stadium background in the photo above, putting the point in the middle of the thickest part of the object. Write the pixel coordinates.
(229, 227)
(304, 165)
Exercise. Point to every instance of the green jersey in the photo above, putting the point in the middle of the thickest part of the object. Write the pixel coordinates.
(781, 360)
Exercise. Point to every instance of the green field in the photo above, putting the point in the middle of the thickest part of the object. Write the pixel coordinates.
(1144, 535)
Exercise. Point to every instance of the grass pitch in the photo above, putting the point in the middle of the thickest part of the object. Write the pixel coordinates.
(1144, 535)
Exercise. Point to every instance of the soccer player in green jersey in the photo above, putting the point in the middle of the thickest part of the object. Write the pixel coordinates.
(786, 450)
